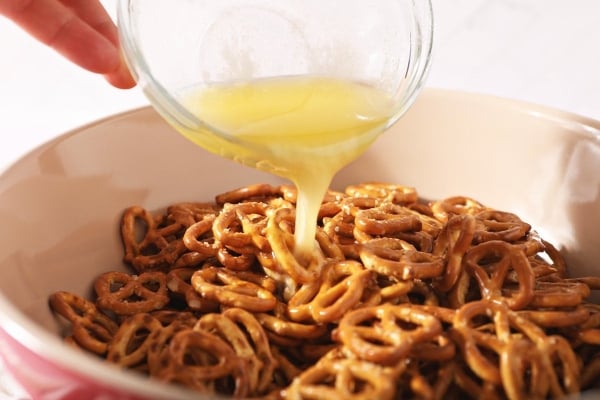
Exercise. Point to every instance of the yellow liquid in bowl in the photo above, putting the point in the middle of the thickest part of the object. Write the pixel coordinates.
(301, 128)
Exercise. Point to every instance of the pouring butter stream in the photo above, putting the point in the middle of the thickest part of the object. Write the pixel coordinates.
(301, 128)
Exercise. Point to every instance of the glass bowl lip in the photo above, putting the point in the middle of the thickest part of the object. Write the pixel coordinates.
(167, 105)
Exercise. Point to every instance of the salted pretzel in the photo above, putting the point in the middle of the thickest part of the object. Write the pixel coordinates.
(552, 353)
(153, 251)
(282, 244)
(490, 262)
(255, 192)
(499, 225)
(399, 259)
(198, 359)
(342, 288)
(456, 205)
(225, 287)
(343, 379)
(130, 344)
(196, 239)
(385, 220)
(90, 328)
(126, 294)
(396, 194)
(452, 243)
(179, 283)
(385, 341)
(246, 336)
(188, 213)
(401, 298)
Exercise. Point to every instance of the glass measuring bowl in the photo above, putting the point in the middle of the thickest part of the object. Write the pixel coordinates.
(295, 88)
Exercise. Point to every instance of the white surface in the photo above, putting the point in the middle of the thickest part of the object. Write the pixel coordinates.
(542, 51)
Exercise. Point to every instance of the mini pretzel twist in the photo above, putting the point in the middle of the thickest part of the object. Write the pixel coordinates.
(91, 329)
(198, 359)
(452, 243)
(401, 298)
(225, 287)
(196, 239)
(126, 294)
(499, 225)
(341, 290)
(490, 262)
(385, 220)
(396, 194)
(130, 344)
(375, 333)
(255, 192)
(343, 379)
(457, 205)
(248, 340)
(187, 214)
(282, 243)
(179, 282)
(399, 259)
(153, 251)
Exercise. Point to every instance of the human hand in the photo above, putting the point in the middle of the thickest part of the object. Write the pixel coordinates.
(80, 30)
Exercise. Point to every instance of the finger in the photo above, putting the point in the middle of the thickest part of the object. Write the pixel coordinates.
(95, 15)
(58, 26)
(121, 78)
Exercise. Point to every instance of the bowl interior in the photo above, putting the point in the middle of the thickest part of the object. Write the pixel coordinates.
(60, 204)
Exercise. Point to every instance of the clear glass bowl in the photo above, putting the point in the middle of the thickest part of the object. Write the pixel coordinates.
(174, 46)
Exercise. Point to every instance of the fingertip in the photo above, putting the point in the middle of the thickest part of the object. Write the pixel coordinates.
(121, 78)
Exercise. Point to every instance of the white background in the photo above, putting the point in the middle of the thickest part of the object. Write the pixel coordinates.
(540, 51)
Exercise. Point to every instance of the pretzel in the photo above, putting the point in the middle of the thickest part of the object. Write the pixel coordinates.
(401, 298)
(456, 205)
(193, 237)
(187, 214)
(227, 227)
(90, 328)
(396, 194)
(399, 259)
(252, 347)
(499, 225)
(197, 359)
(341, 290)
(221, 285)
(427, 380)
(153, 251)
(130, 344)
(343, 379)
(559, 294)
(491, 275)
(126, 294)
(172, 322)
(452, 243)
(395, 342)
(384, 220)
(179, 282)
(282, 245)
(557, 318)
(522, 371)
(248, 193)
(278, 325)
(554, 352)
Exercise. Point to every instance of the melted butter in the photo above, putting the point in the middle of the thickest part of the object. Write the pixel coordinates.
(301, 128)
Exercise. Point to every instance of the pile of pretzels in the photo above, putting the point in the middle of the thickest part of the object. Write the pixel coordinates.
(402, 298)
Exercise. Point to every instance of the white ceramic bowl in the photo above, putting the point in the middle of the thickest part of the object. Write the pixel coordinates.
(60, 206)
